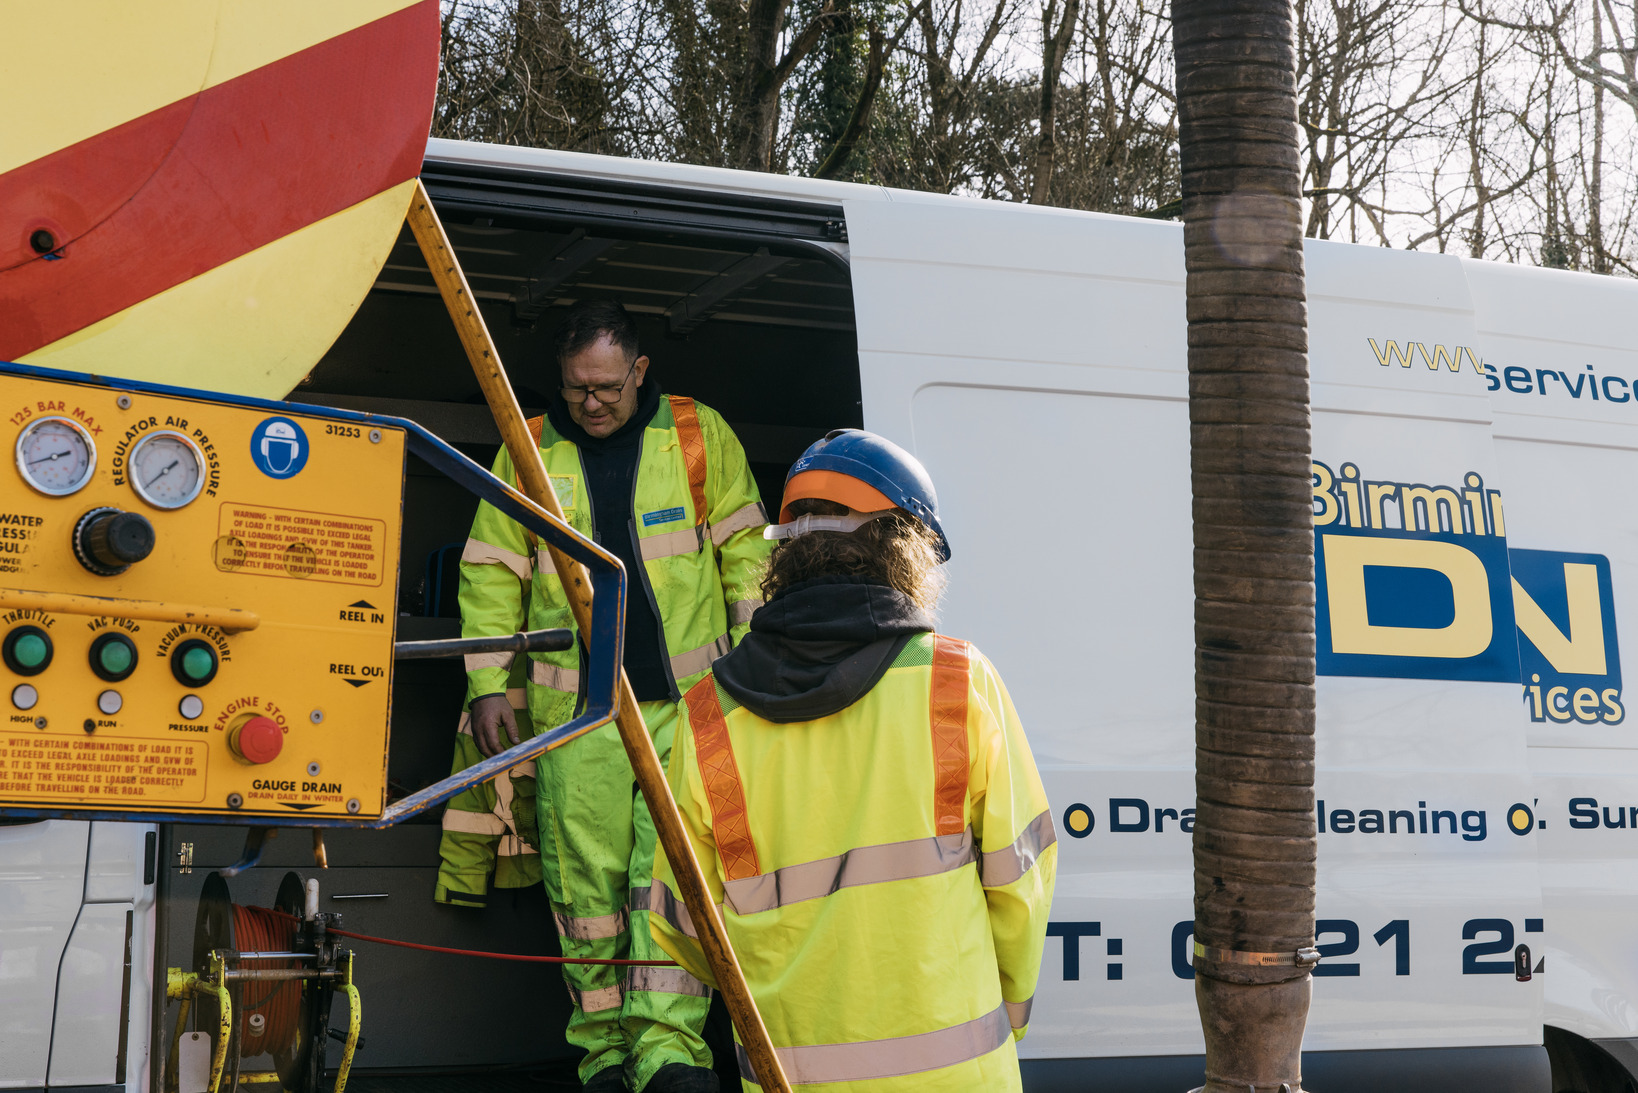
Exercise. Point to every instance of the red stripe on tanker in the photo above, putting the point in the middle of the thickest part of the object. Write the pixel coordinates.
(254, 159)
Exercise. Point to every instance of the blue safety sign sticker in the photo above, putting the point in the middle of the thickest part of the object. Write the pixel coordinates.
(278, 447)
(662, 516)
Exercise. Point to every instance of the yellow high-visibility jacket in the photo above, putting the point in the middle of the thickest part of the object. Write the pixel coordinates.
(885, 873)
(489, 830)
(698, 520)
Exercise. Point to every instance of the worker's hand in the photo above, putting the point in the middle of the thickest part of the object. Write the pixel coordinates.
(489, 713)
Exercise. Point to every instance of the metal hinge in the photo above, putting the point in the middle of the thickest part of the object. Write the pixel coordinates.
(184, 858)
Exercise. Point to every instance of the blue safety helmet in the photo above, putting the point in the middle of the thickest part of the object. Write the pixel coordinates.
(867, 473)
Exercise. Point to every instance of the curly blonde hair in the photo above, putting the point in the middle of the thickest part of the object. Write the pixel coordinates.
(897, 550)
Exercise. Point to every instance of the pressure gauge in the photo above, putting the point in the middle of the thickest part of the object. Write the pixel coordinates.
(167, 469)
(56, 455)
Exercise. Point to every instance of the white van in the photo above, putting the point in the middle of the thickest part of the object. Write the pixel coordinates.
(1474, 425)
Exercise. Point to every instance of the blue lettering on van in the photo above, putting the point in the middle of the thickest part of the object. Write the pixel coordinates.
(662, 516)
(1569, 659)
(1134, 814)
(1472, 824)
(1586, 813)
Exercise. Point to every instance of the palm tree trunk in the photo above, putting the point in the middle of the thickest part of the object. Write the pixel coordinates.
(1254, 841)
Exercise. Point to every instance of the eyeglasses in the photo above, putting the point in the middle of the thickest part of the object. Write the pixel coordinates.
(604, 393)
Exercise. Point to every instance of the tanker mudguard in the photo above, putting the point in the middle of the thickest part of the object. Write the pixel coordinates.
(198, 596)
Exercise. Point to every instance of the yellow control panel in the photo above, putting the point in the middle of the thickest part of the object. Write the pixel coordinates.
(196, 604)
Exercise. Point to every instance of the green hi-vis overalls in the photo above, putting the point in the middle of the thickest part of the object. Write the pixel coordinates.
(698, 521)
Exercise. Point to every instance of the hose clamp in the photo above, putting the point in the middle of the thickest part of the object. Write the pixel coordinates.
(1302, 958)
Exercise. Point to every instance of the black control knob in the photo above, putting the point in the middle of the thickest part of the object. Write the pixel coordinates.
(107, 540)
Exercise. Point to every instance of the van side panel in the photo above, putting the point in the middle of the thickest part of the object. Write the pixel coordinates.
(85, 1039)
(1424, 892)
(1562, 362)
(1036, 361)
(42, 878)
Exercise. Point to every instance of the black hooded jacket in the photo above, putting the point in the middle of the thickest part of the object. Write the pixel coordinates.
(818, 647)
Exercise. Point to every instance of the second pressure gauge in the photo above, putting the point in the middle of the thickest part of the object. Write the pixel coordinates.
(167, 469)
(56, 455)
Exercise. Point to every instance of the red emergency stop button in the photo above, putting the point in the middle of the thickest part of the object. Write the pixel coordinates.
(257, 740)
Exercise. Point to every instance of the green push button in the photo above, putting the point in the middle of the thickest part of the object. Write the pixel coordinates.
(32, 651)
(27, 650)
(194, 663)
(116, 658)
(113, 657)
(198, 664)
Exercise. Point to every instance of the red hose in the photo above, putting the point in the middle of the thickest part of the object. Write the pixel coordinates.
(520, 958)
(507, 956)
(258, 929)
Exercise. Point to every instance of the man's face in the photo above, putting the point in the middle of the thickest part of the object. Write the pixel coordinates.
(603, 364)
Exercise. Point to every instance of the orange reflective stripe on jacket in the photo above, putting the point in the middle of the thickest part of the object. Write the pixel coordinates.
(949, 719)
(723, 789)
(947, 714)
(692, 441)
(689, 437)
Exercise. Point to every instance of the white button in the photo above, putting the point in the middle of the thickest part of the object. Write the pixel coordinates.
(190, 707)
(109, 702)
(24, 696)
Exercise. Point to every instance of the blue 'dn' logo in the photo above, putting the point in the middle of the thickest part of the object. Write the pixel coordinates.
(1569, 661)
(1413, 604)
(1440, 596)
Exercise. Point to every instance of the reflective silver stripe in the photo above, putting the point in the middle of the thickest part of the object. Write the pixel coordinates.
(665, 981)
(751, 516)
(512, 844)
(473, 823)
(657, 898)
(861, 865)
(813, 1064)
(463, 727)
(518, 698)
(591, 928)
(550, 675)
(607, 998)
(700, 660)
(478, 552)
(741, 611)
(478, 661)
(1001, 867)
(672, 543)
(1018, 1012)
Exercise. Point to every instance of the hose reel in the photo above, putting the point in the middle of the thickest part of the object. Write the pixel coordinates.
(262, 982)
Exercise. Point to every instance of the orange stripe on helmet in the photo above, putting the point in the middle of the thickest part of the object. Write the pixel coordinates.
(832, 486)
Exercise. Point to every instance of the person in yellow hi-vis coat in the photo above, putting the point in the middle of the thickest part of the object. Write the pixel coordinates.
(662, 483)
(863, 802)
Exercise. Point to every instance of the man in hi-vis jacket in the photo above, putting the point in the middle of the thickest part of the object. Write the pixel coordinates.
(662, 483)
(863, 802)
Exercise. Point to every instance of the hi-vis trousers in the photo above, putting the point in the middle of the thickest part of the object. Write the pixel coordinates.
(597, 847)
